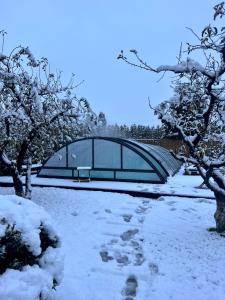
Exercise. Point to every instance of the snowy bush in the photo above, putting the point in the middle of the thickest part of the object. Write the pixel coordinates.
(30, 261)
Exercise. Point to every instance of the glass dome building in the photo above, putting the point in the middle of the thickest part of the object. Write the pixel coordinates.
(114, 159)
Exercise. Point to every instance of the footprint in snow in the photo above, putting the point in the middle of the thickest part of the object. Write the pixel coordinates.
(141, 219)
(139, 259)
(127, 235)
(135, 245)
(173, 209)
(141, 209)
(170, 203)
(122, 259)
(113, 242)
(74, 213)
(130, 289)
(127, 217)
(145, 202)
(186, 210)
(105, 256)
(204, 201)
(161, 198)
(153, 267)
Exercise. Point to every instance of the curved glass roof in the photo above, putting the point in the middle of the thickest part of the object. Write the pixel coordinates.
(108, 158)
(168, 161)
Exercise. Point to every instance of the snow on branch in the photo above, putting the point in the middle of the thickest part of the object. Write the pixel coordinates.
(36, 109)
(196, 112)
(188, 66)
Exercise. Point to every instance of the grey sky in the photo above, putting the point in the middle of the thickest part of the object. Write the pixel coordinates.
(84, 37)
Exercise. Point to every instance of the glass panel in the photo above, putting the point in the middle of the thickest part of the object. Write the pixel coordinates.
(58, 159)
(56, 172)
(102, 174)
(151, 150)
(83, 173)
(131, 160)
(148, 156)
(156, 157)
(106, 154)
(167, 158)
(75, 173)
(159, 155)
(80, 154)
(137, 176)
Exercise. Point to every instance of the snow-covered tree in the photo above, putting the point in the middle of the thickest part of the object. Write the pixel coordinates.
(101, 127)
(196, 112)
(67, 131)
(102, 119)
(36, 110)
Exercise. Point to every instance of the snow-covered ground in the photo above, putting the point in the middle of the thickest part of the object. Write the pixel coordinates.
(176, 185)
(46, 263)
(118, 247)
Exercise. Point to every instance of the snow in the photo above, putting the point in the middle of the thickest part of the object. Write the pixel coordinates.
(27, 218)
(186, 67)
(117, 246)
(25, 285)
(176, 185)
(31, 281)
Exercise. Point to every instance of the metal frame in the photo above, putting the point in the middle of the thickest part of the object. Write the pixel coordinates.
(123, 143)
(105, 179)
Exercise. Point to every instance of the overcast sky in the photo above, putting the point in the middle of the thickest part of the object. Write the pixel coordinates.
(85, 36)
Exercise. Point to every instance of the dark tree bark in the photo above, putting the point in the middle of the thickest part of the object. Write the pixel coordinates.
(220, 212)
(28, 188)
(17, 183)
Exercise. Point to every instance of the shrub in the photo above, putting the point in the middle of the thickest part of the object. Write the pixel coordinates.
(30, 260)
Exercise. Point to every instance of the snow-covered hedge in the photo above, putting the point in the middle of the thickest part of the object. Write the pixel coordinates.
(30, 261)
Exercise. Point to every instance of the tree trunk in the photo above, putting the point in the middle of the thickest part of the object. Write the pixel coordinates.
(17, 183)
(28, 179)
(220, 212)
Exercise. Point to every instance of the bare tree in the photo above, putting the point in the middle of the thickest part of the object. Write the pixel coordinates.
(197, 111)
(35, 107)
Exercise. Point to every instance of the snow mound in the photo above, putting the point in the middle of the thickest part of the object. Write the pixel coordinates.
(31, 264)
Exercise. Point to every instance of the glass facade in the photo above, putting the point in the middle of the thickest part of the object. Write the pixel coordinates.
(140, 148)
(102, 174)
(137, 176)
(111, 159)
(106, 154)
(58, 159)
(132, 160)
(80, 154)
(56, 172)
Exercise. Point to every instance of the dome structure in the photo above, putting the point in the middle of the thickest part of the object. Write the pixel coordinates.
(114, 159)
